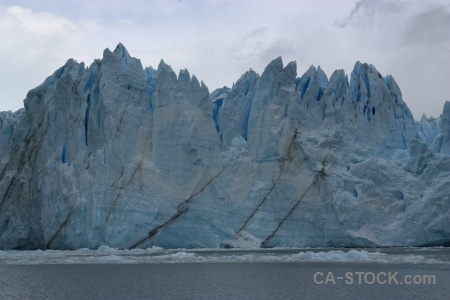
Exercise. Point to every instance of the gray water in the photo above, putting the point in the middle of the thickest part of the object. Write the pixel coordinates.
(273, 280)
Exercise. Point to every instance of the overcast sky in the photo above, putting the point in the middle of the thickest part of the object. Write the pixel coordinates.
(218, 40)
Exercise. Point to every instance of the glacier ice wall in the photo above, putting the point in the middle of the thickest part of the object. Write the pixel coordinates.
(115, 154)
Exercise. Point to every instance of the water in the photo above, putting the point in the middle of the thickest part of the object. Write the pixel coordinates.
(213, 276)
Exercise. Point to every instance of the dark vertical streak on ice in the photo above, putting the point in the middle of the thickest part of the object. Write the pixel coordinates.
(116, 197)
(260, 203)
(283, 169)
(216, 111)
(63, 225)
(181, 209)
(64, 154)
(321, 173)
(86, 118)
(305, 87)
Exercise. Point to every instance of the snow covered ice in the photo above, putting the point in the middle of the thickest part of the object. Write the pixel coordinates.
(114, 154)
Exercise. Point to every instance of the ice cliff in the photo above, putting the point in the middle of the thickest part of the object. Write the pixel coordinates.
(118, 155)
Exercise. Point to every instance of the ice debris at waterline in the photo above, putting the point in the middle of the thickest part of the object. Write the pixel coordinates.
(107, 255)
(127, 157)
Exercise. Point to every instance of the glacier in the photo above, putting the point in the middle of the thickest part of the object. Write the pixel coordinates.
(128, 157)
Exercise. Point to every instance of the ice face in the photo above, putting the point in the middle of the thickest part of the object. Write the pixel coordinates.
(127, 157)
(441, 143)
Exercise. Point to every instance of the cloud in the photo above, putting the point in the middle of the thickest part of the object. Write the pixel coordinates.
(249, 46)
(20, 26)
(278, 48)
(260, 48)
(430, 27)
(37, 43)
(40, 24)
(368, 11)
(408, 39)
(256, 33)
(411, 23)
(218, 40)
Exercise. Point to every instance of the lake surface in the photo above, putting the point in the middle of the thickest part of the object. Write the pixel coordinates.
(212, 274)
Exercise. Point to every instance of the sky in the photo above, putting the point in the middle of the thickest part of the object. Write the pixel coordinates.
(219, 40)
